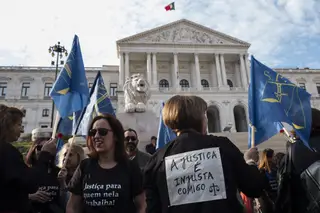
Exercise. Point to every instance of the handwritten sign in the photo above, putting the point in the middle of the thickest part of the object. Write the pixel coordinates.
(195, 176)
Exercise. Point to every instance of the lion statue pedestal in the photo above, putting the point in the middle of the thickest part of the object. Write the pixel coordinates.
(146, 124)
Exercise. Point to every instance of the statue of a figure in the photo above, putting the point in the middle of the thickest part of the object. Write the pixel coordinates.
(136, 93)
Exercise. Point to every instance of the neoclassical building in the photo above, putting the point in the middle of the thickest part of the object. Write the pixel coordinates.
(181, 57)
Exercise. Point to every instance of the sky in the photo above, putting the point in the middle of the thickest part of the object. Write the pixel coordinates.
(282, 33)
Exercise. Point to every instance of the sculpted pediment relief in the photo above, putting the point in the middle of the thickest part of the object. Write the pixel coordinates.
(183, 32)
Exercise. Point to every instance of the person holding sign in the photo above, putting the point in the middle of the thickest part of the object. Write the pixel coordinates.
(197, 172)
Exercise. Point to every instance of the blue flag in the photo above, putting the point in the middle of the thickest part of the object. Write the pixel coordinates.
(99, 103)
(67, 125)
(70, 92)
(274, 99)
(165, 134)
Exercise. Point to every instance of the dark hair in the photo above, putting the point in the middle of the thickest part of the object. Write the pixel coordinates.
(131, 130)
(184, 112)
(277, 158)
(315, 123)
(153, 138)
(117, 129)
(31, 157)
(9, 117)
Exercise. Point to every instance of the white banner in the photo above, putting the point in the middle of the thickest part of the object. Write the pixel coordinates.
(195, 176)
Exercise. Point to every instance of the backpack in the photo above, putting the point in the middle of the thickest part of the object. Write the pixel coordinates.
(310, 179)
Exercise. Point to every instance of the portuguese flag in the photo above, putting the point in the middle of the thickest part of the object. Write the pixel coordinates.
(169, 7)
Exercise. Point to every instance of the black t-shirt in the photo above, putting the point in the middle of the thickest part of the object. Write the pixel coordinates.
(48, 182)
(107, 190)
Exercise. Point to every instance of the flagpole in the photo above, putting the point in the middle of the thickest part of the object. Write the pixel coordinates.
(78, 122)
(252, 136)
(55, 126)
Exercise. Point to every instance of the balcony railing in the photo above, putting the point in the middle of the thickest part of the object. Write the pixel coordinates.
(190, 89)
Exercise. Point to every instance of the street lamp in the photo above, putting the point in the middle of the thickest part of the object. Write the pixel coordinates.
(58, 51)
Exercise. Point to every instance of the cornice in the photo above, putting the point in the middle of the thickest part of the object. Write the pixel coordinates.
(26, 78)
(3, 78)
(46, 79)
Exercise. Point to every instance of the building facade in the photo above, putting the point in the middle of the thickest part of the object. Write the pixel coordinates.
(182, 57)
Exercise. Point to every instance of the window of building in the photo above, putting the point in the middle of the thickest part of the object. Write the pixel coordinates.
(204, 83)
(3, 89)
(45, 113)
(44, 126)
(302, 85)
(47, 89)
(24, 89)
(318, 87)
(184, 83)
(113, 89)
(229, 82)
(163, 83)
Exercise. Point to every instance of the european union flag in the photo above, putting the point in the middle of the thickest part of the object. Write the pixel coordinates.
(165, 134)
(274, 99)
(70, 92)
(99, 103)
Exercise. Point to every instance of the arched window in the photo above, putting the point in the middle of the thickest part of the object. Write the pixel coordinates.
(229, 82)
(163, 83)
(240, 119)
(204, 83)
(213, 119)
(184, 83)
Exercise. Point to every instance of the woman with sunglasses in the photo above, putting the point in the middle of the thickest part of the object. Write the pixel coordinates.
(47, 198)
(107, 181)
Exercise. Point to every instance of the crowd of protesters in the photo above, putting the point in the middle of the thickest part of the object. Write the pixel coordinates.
(111, 175)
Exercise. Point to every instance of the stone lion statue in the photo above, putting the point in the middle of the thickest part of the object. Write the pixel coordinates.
(136, 93)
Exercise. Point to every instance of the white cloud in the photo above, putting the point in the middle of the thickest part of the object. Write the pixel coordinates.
(28, 28)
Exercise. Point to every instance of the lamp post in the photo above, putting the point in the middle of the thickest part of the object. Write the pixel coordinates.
(58, 51)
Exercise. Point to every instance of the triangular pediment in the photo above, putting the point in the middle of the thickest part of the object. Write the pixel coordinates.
(183, 32)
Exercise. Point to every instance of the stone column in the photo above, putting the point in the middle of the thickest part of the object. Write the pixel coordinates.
(246, 60)
(223, 70)
(243, 72)
(127, 72)
(176, 69)
(121, 71)
(218, 70)
(154, 70)
(149, 68)
(198, 76)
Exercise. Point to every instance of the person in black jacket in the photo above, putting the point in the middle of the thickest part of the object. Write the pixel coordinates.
(17, 180)
(197, 172)
(292, 197)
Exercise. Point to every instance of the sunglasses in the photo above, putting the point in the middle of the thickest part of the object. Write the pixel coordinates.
(130, 138)
(101, 131)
